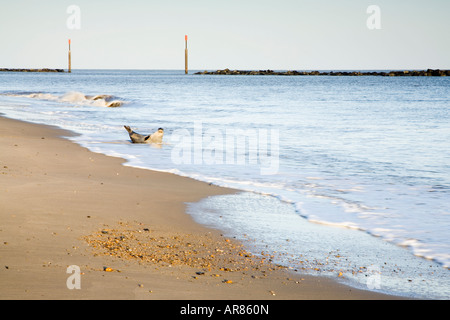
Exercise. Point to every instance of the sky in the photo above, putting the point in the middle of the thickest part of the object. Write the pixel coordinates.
(243, 34)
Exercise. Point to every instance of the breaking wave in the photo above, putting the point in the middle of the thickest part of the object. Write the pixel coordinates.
(76, 98)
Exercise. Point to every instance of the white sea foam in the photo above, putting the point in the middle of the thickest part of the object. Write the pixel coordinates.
(265, 224)
(76, 98)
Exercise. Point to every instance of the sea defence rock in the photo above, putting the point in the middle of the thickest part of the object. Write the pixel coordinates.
(404, 73)
(31, 70)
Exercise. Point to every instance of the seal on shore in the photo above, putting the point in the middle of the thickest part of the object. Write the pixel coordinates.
(155, 137)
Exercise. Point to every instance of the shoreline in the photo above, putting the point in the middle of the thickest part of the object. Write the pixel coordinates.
(56, 193)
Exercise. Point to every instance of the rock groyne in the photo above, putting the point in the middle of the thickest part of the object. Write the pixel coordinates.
(31, 70)
(403, 73)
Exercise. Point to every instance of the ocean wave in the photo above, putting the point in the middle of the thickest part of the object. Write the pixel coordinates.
(74, 97)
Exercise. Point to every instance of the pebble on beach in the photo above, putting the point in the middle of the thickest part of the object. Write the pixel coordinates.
(205, 254)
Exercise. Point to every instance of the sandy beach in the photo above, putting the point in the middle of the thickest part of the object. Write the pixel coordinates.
(125, 228)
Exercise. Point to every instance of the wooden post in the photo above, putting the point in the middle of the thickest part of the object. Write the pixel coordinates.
(70, 60)
(186, 56)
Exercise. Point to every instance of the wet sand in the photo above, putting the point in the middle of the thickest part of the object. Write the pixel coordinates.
(125, 228)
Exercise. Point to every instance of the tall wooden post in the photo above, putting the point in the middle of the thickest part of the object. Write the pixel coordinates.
(70, 60)
(186, 56)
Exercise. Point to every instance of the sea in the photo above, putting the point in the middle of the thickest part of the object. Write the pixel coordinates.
(338, 176)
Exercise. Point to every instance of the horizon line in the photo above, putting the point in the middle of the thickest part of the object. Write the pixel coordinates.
(231, 69)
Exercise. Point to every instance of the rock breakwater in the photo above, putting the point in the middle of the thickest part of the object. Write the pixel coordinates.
(403, 73)
(31, 70)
